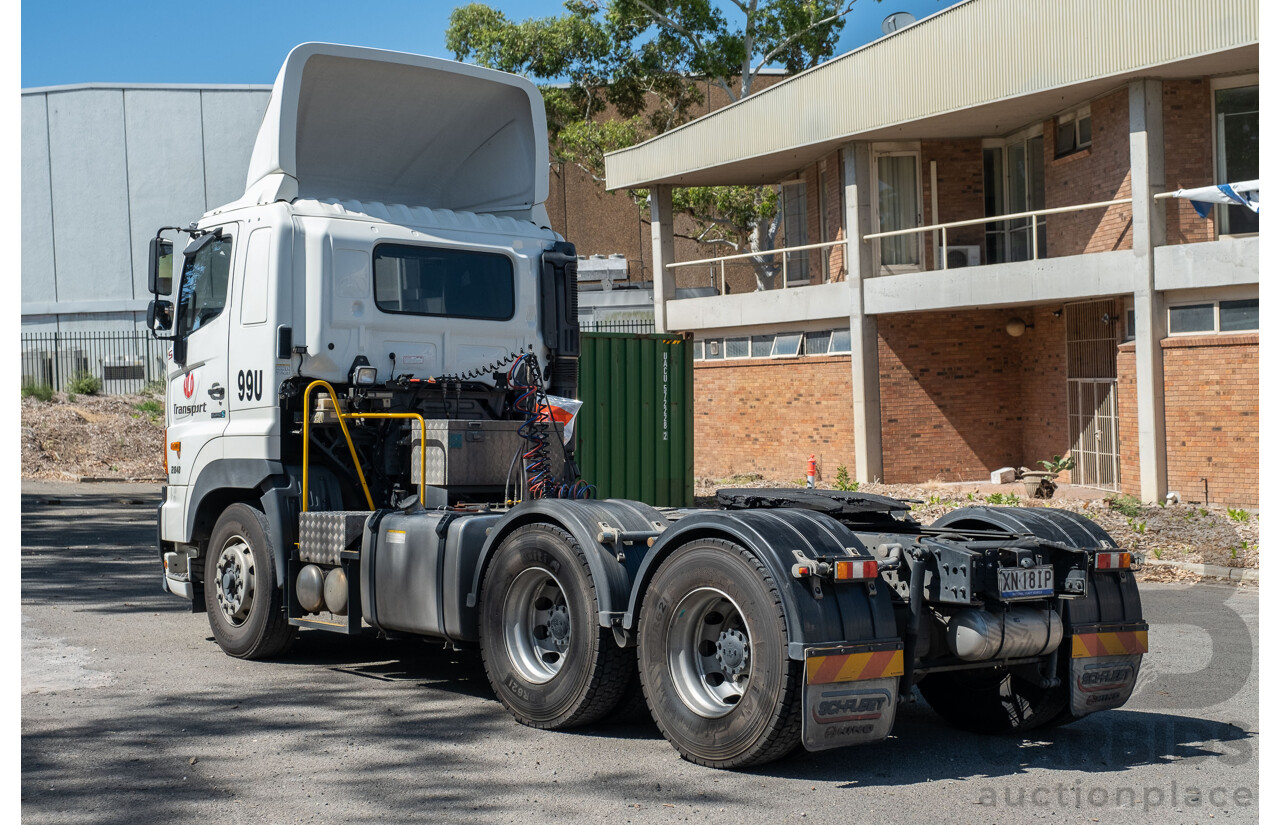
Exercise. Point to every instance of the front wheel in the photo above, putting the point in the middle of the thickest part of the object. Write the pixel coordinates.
(245, 607)
(547, 657)
(713, 658)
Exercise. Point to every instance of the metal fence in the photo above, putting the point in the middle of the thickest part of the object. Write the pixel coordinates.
(640, 327)
(124, 362)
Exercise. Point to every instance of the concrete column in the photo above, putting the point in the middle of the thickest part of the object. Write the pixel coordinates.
(1146, 162)
(863, 339)
(662, 231)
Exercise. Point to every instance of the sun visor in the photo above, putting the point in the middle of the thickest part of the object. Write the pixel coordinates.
(365, 124)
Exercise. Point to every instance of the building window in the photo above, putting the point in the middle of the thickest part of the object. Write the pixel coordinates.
(816, 343)
(1236, 147)
(715, 349)
(787, 345)
(698, 350)
(1214, 316)
(795, 230)
(1075, 132)
(737, 348)
(839, 342)
(761, 346)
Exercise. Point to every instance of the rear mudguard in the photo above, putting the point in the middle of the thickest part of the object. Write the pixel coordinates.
(612, 567)
(847, 612)
(1104, 635)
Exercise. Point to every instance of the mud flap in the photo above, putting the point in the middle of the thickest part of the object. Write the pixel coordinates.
(1104, 666)
(850, 694)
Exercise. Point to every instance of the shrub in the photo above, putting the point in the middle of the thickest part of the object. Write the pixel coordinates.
(1126, 505)
(1237, 515)
(842, 480)
(85, 384)
(150, 406)
(40, 392)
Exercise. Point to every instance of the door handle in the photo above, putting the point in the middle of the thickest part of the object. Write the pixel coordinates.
(217, 392)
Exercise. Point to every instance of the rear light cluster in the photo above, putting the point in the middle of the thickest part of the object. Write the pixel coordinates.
(841, 570)
(1112, 561)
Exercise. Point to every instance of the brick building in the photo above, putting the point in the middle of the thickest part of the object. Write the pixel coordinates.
(1078, 307)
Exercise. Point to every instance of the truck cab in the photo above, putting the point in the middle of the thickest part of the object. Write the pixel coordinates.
(392, 229)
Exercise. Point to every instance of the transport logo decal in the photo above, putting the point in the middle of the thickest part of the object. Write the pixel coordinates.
(189, 384)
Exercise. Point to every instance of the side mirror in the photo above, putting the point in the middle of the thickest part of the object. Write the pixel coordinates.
(160, 315)
(160, 267)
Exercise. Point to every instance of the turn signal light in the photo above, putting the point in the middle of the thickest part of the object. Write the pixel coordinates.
(176, 446)
(1113, 561)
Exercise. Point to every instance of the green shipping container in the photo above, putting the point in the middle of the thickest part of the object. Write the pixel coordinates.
(635, 428)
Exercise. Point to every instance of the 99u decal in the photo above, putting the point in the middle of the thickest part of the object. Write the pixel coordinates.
(249, 385)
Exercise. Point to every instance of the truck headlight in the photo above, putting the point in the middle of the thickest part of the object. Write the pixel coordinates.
(365, 376)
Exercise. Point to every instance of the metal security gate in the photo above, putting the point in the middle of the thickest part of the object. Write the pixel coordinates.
(1091, 393)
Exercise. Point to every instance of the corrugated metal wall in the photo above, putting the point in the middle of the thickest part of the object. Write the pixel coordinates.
(635, 429)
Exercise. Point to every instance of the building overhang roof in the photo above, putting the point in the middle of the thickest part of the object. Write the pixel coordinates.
(981, 68)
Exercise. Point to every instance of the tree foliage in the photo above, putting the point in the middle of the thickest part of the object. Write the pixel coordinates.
(621, 71)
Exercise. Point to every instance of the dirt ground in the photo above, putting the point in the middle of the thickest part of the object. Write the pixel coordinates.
(121, 437)
(107, 436)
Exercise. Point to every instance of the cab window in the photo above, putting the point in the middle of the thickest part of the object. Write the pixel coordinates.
(205, 276)
(454, 283)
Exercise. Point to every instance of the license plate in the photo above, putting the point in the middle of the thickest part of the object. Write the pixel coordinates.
(1023, 582)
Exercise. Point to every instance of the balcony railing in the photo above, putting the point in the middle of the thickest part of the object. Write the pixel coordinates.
(1033, 215)
(767, 258)
(1030, 217)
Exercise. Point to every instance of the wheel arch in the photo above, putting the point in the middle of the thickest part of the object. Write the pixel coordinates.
(848, 612)
(1113, 597)
(229, 481)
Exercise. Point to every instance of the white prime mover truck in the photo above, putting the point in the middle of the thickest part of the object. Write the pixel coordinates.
(359, 442)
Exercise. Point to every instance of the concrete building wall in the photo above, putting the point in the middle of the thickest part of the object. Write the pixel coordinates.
(102, 169)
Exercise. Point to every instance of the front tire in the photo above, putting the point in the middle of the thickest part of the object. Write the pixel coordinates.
(546, 656)
(713, 658)
(245, 607)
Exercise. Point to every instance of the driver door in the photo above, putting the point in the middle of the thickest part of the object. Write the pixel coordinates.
(197, 397)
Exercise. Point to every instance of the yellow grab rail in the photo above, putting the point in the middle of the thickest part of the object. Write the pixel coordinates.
(355, 459)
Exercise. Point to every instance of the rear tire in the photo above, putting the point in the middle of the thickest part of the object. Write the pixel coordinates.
(246, 609)
(713, 658)
(546, 656)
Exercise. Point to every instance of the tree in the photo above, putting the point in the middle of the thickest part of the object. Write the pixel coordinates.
(626, 70)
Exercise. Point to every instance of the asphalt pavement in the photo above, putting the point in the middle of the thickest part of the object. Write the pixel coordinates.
(131, 714)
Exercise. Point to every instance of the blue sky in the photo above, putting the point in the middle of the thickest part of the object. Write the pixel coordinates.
(143, 41)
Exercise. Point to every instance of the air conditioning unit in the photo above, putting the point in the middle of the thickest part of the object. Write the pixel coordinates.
(70, 364)
(37, 368)
(958, 256)
(122, 374)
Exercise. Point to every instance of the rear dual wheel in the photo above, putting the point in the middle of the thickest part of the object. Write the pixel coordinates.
(547, 657)
(713, 658)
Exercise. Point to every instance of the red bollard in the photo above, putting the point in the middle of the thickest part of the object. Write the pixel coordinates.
(811, 471)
